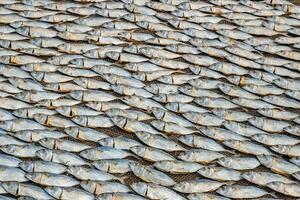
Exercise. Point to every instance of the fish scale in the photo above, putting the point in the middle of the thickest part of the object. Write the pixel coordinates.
(144, 99)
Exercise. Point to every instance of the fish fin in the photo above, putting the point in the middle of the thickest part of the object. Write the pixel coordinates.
(273, 194)
(122, 179)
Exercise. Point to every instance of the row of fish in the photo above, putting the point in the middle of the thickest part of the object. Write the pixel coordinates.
(140, 99)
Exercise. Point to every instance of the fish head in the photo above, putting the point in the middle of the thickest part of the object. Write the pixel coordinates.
(131, 49)
(23, 31)
(126, 35)
(265, 159)
(158, 124)
(77, 61)
(83, 82)
(102, 165)
(140, 188)
(186, 156)
(34, 176)
(77, 94)
(65, 110)
(24, 135)
(72, 131)
(187, 139)
(189, 31)
(75, 170)
(65, 47)
(5, 43)
(47, 142)
(22, 112)
(206, 171)
(234, 79)
(225, 190)
(225, 88)
(118, 88)
(44, 154)
(40, 118)
(262, 138)
(225, 161)
(249, 176)
(131, 66)
(109, 25)
(11, 187)
(172, 106)
(94, 105)
(138, 150)
(60, 27)
(255, 74)
(27, 165)
(36, 41)
(153, 88)
(80, 120)
(160, 98)
(119, 121)
(108, 142)
(113, 55)
(16, 24)
(113, 112)
(203, 100)
(158, 113)
(256, 121)
(143, 24)
(93, 53)
(163, 34)
(129, 17)
(38, 75)
(137, 168)
(178, 13)
(54, 191)
(166, 79)
(131, 100)
(282, 149)
(277, 186)
(139, 75)
(184, 6)
(172, 47)
(130, 7)
(284, 8)
(28, 67)
(182, 186)
(142, 135)
(219, 111)
(146, 51)
(6, 125)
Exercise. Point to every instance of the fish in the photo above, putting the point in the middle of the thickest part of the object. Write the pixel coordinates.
(290, 189)
(113, 165)
(82, 133)
(120, 142)
(151, 175)
(264, 178)
(156, 141)
(196, 141)
(197, 185)
(133, 126)
(103, 187)
(67, 193)
(220, 173)
(59, 156)
(155, 191)
(171, 128)
(62, 144)
(36, 135)
(9, 161)
(277, 165)
(151, 154)
(25, 189)
(42, 166)
(87, 173)
(200, 156)
(48, 179)
(21, 151)
(290, 150)
(239, 191)
(99, 153)
(12, 174)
